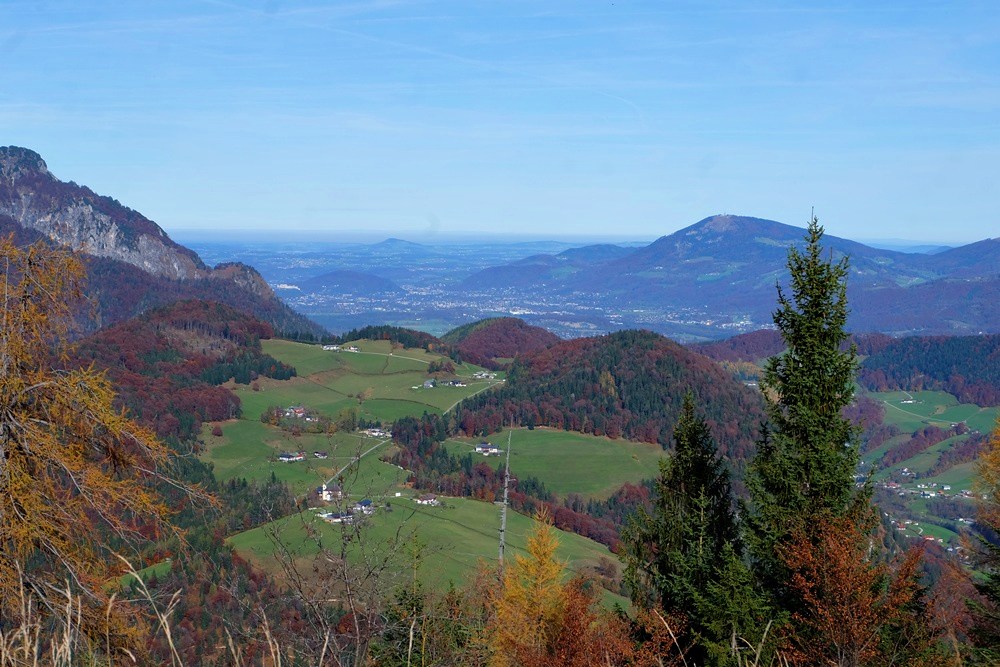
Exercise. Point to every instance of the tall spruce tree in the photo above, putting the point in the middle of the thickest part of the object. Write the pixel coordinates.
(673, 554)
(807, 456)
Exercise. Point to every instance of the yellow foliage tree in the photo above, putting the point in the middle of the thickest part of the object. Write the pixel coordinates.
(72, 467)
(529, 608)
(541, 621)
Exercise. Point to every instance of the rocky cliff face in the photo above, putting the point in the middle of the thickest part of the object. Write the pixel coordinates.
(75, 216)
(132, 265)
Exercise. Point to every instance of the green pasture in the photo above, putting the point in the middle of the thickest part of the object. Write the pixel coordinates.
(568, 462)
(247, 449)
(386, 410)
(455, 537)
(913, 410)
(307, 359)
(297, 391)
(330, 381)
(923, 461)
(958, 477)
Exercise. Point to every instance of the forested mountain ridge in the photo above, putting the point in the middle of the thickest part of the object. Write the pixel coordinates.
(967, 367)
(132, 264)
(627, 384)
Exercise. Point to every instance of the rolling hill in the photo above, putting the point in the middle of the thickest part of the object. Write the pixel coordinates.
(486, 341)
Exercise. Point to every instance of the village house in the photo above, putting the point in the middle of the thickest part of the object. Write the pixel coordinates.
(328, 494)
(364, 507)
(487, 449)
(295, 411)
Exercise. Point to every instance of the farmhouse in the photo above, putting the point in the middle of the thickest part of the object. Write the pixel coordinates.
(428, 499)
(353, 348)
(296, 411)
(487, 449)
(364, 507)
(291, 457)
(329, 493)
(321, 455)
(337, 517)
(428, 384)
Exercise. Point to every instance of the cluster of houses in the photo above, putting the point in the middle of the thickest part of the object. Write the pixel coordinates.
(926, 490)
(361, 508)
(337, 348)
(430, 384)
(298, 412)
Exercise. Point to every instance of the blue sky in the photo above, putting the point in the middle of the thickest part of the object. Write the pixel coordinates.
(624, 119)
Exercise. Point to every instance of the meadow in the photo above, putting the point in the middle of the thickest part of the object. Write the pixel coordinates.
(911, 411)
(381, 382)
(454, 537)
(567, 462)
(452, 540)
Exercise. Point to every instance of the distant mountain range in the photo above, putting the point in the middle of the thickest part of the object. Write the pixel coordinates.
(723, 270)
(710, 280)
(132, 265)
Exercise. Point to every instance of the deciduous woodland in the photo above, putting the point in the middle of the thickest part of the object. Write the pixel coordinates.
(756, 541)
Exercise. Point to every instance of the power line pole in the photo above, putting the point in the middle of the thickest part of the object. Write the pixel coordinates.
(503, 510)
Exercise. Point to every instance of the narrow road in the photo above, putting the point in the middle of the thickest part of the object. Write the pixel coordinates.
(357, 458)
(475, 393)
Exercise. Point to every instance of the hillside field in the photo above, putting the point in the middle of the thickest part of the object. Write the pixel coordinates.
(568, 462)
(327, 383)
(452, 539)
(911, 411)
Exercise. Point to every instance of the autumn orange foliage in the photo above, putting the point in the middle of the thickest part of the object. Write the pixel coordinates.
(541, 621)
(856, 609)
(69, 461)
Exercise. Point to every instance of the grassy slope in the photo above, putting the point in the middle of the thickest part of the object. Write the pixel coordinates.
(911, 411)
(569, 462)
(328, 382)
(456, 535)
